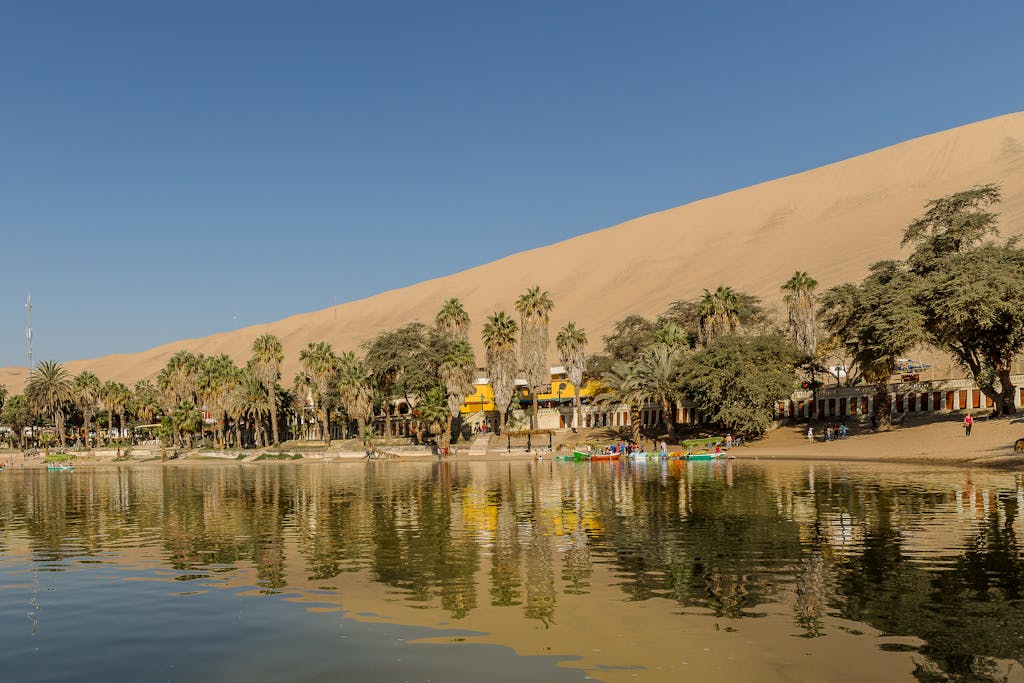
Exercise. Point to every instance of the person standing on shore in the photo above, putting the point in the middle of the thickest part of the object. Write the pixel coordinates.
(810, 435)
(968, 423)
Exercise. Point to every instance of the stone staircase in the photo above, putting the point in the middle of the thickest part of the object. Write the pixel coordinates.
(479, 446)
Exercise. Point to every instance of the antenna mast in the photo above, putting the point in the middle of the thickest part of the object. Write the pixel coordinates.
(28, 330)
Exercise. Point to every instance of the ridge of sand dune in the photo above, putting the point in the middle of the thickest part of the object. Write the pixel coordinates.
(831, 221)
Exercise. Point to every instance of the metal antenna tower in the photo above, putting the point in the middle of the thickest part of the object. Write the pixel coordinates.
(28, 330)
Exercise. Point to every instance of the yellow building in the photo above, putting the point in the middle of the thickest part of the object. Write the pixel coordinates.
(481, 400)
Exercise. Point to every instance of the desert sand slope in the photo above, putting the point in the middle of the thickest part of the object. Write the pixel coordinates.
(831, 221)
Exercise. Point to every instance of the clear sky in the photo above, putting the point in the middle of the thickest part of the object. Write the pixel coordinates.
(173, 169)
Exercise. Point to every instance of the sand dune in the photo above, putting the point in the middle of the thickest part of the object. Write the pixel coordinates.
(831, 221)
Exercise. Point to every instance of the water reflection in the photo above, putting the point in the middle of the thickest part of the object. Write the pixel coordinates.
(928, 554)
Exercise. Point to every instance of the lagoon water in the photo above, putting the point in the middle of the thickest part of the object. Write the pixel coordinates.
(512, 571)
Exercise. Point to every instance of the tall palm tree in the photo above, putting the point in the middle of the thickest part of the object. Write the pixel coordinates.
(145, 401)
(499, 336)
(320, 365)
(434, 413)
(457, 370)
(50, 390)
(86, 388)
(267, 356)
(657, 378)
(217, 377)
(534, 308)
(572, 352)
(355, 389)
(115, 398)
(452, 321)
(249, 399)
(802, 313)
(718, 314)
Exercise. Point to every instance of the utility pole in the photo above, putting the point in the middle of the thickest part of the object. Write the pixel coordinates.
(28, 329)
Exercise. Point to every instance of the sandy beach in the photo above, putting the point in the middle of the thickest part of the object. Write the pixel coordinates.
(938, 441)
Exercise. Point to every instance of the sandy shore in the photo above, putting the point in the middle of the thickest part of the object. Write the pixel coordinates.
(939, 442)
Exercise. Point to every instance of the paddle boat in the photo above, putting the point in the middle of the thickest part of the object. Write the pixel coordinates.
(604, 456)
(56, 467)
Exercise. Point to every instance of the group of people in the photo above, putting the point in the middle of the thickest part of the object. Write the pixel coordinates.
(833, 432)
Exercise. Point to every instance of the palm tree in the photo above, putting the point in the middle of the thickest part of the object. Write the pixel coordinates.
(267, 356)
(320, 364)
(50, 390)
(657, 377)
(145, 401)
(457, 370)
(801, 307)
(534, 308)
(499, 336)
(249, 398)
(572, 352)
(115, 398)
(718, 314)
(217, 378)
(619, 386)
(355, 388)
(86, 388)
(452, 321)
(434, 413)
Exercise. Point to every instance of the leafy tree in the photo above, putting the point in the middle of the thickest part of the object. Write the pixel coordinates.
(572, 352)
(499, 337)
(619, 386)
(49, 390)
(17, 414)
(629, 337)
(405, 363)
(737, 380)
(218, 376)
(115, 398)
(969, 288)
(878, 322)
(267, 356)
(688, 313)
(534, 308)
(145, 400)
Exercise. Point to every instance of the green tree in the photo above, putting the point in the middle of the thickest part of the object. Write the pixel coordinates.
(877, 322)
(737, 380)
(534, 308)
(628, 338)
(572, 352)
(86, 387)
(50, 390)
(969, 288)
(619, 386)
(801, 310)
(719, 314)
(656, 379)
(433, 411)
(354, 389)
(457, 373)
(320, 365)
(404, 363)
(499, 337)
(17, 414)
(267, 356)
(218, 376)
(452, 321)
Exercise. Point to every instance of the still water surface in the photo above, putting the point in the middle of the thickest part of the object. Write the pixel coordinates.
(511, 571)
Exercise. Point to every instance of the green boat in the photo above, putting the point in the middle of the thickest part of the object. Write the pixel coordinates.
(61, 468)
(580, 455)
(703, 456)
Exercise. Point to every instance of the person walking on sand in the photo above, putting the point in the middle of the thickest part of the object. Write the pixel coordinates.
(810, 435)
(968, 423)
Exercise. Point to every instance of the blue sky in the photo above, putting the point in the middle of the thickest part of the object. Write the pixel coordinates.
(174, 169)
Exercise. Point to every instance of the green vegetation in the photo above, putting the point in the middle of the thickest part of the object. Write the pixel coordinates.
(959, 291)
(276, 456)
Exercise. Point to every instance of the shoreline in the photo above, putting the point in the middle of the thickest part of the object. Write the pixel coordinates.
(934, 442)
